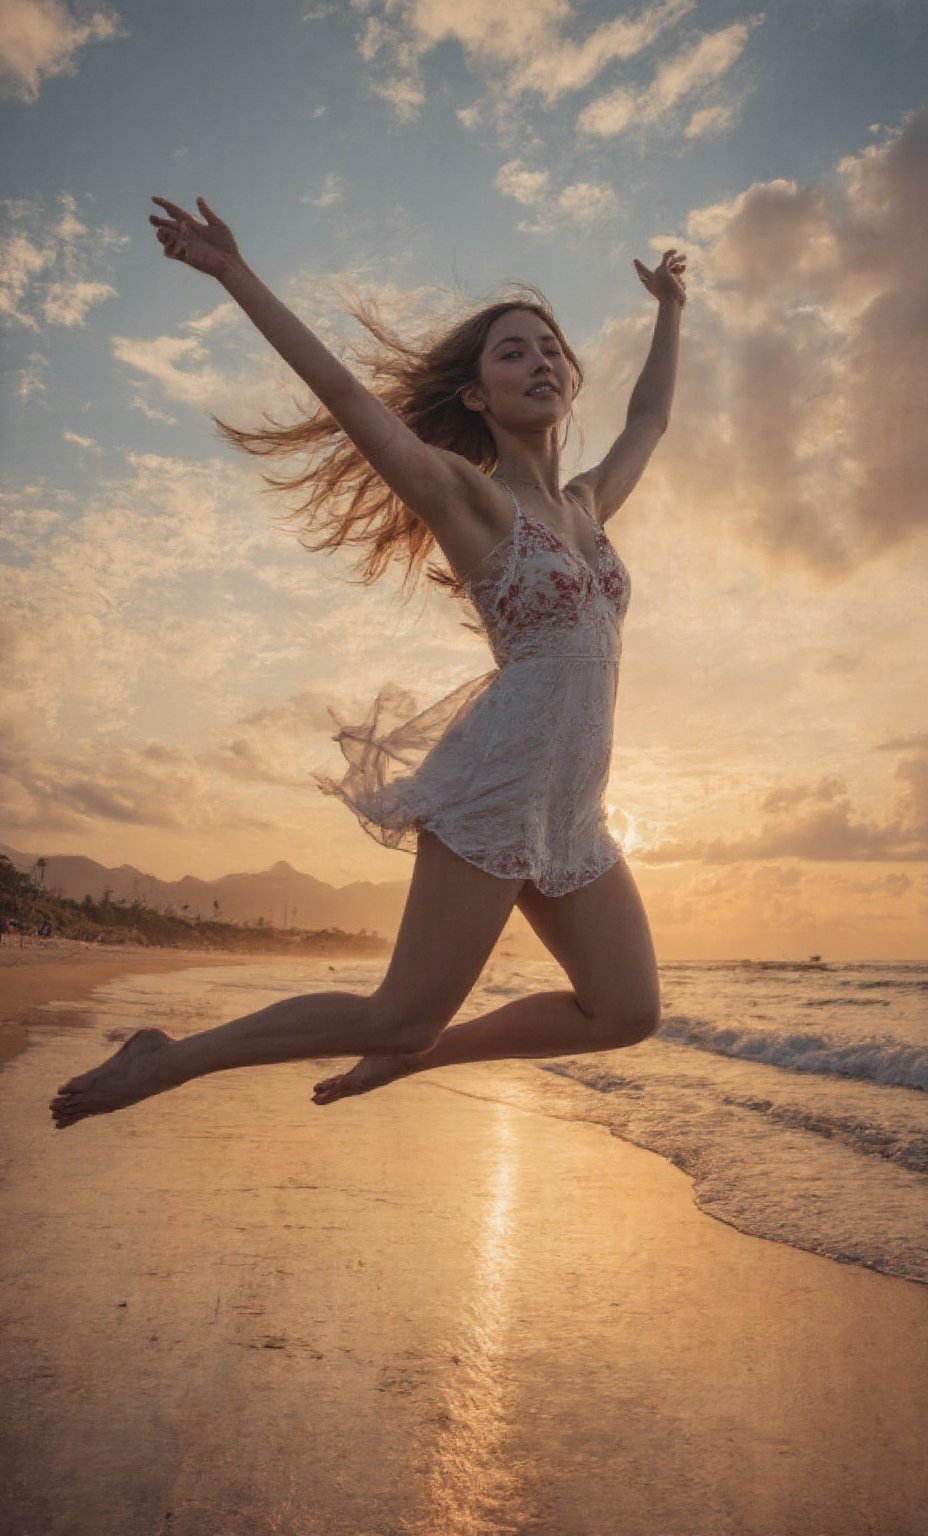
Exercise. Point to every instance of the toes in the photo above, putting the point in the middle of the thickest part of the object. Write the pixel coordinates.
(69, 1117)
(327, 1092)
(327, 1082)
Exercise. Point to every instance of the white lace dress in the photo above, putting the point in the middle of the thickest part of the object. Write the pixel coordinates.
(510, 769)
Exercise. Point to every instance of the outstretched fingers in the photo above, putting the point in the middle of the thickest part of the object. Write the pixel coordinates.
(208, 213)
(174, 209)
(180, 215)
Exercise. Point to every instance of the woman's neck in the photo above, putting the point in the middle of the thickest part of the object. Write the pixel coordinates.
(533, 460)
(521, 474)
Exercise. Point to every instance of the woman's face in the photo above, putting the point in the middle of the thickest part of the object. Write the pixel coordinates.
(525, 379)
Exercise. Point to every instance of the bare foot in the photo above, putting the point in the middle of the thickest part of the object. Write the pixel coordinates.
(134, 1072)
(370, 1072)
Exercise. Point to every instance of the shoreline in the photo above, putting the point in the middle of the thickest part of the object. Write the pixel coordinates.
(67, 970)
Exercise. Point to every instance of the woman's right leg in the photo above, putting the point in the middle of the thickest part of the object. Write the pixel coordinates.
(453, 916)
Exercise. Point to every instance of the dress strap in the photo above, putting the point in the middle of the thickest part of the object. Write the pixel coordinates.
(500, 481)
(582, 504)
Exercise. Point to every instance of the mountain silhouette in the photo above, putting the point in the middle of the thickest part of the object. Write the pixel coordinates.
(283, 896)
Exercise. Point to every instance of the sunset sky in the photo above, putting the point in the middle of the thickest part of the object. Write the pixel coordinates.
(169, 649)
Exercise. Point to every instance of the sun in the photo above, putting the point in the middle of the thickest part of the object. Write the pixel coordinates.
(629, 838)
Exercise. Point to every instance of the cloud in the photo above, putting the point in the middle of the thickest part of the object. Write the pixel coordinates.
(20, 264)
(140, 604)
(799, 410)
(913, 740)
(580, 203)
(155, 785)
(522, 48)
(68, 303)
(707, 121)
(82, 442)
(817, 822)
(692, 68)
(185, 370)
(45, 264)
(40, 39)
(30, 381)
(160, 358)
(269, 746)
(220, 314)
(552, 71)
(585, 202)
(405, 96)
(331, 192)
(516, 180)
(151, 414)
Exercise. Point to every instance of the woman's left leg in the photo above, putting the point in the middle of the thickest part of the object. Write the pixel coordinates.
(601, 937)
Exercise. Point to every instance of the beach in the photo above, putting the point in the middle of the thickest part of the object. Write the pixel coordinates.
(448, 1308)
(33, 976)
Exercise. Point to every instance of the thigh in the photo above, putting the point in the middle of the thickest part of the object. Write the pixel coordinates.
(601, 937)
(453, 916)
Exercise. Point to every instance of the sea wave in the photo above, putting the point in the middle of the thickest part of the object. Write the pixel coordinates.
(907, 1151)
(887, 1061)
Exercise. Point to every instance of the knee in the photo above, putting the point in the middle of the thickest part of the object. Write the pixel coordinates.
(643, 1026)
(630, 1027)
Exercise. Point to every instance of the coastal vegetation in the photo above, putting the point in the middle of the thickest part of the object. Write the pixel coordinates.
(27, 906)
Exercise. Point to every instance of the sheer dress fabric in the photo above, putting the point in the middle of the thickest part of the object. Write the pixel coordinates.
(510, 769)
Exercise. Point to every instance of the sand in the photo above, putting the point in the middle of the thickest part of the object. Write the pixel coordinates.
(230, 1312)
(45, 971)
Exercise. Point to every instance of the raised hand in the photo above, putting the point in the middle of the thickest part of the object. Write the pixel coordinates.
(666, 281)
(208, 247)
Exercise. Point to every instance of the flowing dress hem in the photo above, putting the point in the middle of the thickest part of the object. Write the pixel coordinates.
(506, 865)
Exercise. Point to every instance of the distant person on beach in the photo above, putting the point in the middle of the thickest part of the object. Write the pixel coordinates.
(499, 788)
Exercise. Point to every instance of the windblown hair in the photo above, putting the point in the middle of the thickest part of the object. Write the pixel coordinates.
(347, 501)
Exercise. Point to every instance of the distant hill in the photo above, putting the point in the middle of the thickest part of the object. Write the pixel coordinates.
(283, 896)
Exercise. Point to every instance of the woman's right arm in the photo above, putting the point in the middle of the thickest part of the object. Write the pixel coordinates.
(432, 482)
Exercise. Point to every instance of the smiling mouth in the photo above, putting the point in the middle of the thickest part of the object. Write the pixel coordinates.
(542, 389)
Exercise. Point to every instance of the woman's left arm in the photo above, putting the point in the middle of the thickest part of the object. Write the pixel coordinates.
(612, 481)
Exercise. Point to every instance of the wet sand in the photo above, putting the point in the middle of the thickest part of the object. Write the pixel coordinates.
(230, 1312)
(40, 973)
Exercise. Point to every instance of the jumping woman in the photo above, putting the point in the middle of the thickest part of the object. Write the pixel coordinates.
(499, 789)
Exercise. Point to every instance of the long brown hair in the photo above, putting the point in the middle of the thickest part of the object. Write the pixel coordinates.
(347, 501)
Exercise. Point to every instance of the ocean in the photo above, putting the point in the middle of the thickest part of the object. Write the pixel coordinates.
(793, 1095)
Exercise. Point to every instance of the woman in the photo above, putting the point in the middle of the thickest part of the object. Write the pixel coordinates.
(498, 789)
